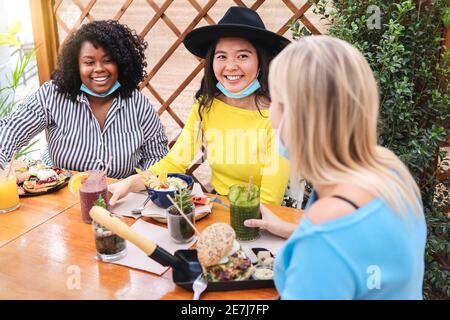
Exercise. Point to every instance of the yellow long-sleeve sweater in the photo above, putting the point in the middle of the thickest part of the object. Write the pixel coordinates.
(240, 143)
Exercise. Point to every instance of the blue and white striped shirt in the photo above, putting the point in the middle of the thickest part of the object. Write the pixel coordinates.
(132, 134)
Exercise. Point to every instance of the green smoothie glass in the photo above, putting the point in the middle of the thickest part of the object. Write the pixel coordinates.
(244, 205)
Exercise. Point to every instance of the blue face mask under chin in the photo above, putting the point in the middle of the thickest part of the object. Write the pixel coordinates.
(255, 85)
(100, 95)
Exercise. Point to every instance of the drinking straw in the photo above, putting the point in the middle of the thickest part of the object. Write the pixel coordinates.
(184, 216)
(249, 187)
(11, 164)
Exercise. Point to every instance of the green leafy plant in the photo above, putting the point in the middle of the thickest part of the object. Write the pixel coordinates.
(183, 199)
(100, 202)
(411, 65)
(8, 92)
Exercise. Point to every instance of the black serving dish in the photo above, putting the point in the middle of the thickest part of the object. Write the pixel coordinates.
(51, 190)
(224, 285)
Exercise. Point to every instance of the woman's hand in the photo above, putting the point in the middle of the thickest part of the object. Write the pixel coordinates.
(271, 223)
(121, 188)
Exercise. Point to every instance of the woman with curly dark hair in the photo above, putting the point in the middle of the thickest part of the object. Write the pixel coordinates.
(92, 109)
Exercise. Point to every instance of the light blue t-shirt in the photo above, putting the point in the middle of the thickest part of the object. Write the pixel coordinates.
(372, 253)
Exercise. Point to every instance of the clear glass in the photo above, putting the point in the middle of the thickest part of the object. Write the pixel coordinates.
(179, 229)
(91, 190)
(9, 195)
(244, 205)
(109, 246)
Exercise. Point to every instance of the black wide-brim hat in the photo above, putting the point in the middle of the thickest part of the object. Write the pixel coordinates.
(237, 22)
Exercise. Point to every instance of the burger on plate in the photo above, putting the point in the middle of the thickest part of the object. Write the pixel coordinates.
(220, 255)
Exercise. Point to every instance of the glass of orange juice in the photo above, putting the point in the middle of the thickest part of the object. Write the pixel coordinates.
(9, 196)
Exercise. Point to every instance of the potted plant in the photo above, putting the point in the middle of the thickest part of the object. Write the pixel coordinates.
(180, 230)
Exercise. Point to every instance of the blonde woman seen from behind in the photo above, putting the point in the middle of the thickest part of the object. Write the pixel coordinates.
(363, 232)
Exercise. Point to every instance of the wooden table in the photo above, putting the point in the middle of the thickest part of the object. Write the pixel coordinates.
(53, 257)
(33, 211)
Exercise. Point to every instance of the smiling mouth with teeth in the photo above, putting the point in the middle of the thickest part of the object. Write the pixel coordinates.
(100, 79)
(233, 77)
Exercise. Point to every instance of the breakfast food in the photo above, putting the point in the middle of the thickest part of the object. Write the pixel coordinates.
(265, 258)
(38, 178)
(149, 179)
(45, 180)
(161, 183)
(221, 256)
(21, 171)
(263, 274)
(172, 184)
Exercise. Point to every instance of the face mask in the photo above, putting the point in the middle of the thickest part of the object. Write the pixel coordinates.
(100, 95)
(282, 149)
(255, 85)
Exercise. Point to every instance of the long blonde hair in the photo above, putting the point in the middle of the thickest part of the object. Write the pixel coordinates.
(331, 104)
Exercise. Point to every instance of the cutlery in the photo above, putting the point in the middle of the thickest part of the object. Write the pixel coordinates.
(217, 200)
(199, 286)
(140, 209)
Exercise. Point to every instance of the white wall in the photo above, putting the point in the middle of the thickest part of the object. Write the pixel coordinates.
(4, 51)
(19, 10)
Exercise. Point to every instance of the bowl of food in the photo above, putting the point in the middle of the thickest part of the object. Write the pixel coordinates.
(159, 187)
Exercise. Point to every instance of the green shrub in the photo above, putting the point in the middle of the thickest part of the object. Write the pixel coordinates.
(411, 65)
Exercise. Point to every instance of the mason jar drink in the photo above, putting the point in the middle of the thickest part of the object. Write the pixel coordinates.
(244, 205)
(90, 191)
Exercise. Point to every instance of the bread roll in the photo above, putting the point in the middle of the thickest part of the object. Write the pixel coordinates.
(215, 242)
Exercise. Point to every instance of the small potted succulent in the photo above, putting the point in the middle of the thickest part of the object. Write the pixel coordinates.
(180, 230)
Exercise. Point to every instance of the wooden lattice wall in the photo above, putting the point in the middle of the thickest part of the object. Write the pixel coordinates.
(173, 73)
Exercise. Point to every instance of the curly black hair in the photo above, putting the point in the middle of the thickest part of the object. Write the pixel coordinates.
(123, 45)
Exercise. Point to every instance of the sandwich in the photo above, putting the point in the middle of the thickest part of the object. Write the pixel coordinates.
(220, 255)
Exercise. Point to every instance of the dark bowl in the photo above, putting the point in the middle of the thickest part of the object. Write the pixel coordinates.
(159, 197)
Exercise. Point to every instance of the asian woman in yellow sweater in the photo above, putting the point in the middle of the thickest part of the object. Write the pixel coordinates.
(231, 110)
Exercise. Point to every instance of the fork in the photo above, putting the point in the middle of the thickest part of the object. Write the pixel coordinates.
(217, 200)
(141, 208)
(199, 286)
